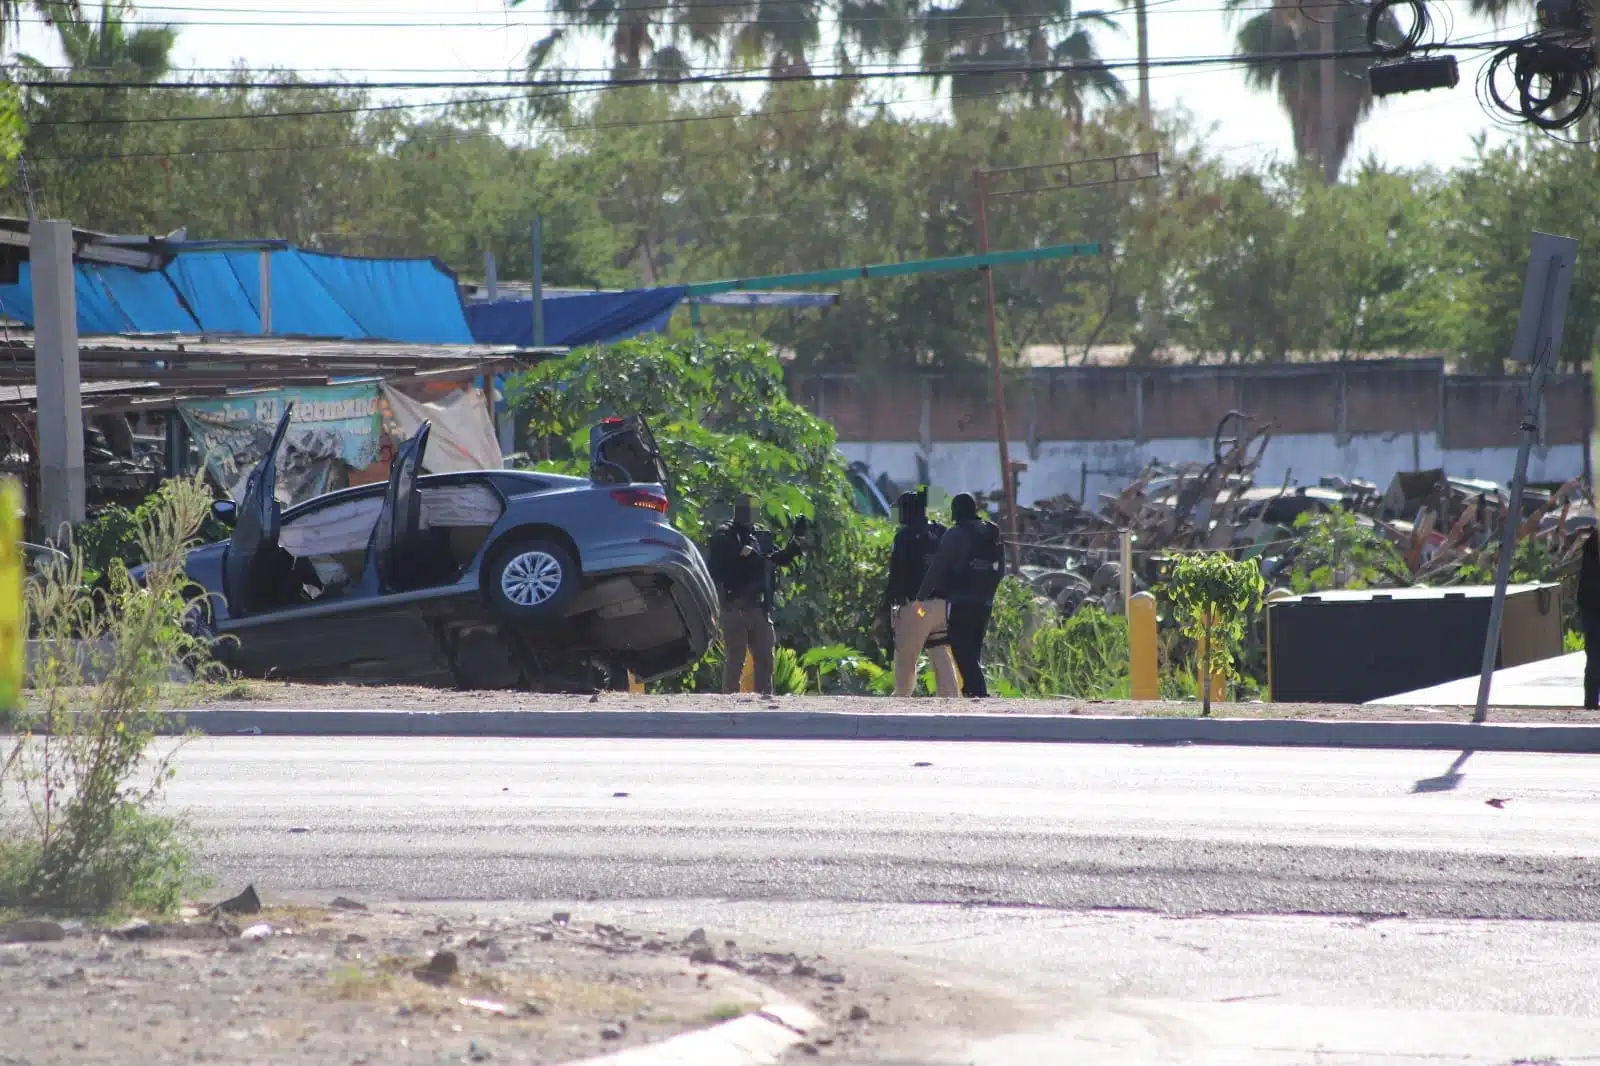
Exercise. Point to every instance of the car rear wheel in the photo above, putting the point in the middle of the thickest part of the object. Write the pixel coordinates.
(532, 581)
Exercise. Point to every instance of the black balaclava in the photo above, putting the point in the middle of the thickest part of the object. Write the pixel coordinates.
(913, 508)
(741, 512)
(963, 508)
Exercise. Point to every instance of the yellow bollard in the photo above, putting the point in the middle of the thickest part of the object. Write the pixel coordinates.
(747, 680)
(1272, 597)
(635, 686)
(1146, 681)
(12, 622)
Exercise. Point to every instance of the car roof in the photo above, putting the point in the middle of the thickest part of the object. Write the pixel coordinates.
(535, 478)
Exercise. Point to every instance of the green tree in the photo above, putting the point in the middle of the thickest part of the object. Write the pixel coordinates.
(1214, 598)
(725, 425)
(1487, 219)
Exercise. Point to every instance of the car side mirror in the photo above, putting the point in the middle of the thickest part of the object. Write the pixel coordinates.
(225, 511)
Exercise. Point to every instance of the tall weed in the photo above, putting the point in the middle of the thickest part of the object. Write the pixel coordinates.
(88, 836)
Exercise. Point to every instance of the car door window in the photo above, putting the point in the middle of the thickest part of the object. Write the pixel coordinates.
(333, 538)
(456, 520)
(257, 574)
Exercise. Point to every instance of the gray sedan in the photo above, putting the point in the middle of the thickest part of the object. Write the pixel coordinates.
(486, 579)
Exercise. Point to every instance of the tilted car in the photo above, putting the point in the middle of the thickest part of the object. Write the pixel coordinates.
(485, 579)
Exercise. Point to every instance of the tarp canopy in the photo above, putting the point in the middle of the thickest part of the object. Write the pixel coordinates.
(572, 319)
(463, 436)
(219, 291)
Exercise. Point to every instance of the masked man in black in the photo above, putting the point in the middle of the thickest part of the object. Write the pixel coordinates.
(915, 544)
(966, 572)
(743, 558)
(1589, 618)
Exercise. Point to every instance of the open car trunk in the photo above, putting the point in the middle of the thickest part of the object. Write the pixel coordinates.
(622, 451)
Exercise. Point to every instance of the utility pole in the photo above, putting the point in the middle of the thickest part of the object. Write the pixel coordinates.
(59, 404)
(1002, 435)
(1325, 78)
(1142, 25)
(1075, 174)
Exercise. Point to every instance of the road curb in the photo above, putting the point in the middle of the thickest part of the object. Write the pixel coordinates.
(759, 1038)
(836, 725)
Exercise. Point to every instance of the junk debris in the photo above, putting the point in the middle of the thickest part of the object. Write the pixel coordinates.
(1446, 529)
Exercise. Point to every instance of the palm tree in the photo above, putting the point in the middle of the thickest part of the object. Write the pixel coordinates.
(979, 34)
(107, 45)
(1290, 26)
(648, 36)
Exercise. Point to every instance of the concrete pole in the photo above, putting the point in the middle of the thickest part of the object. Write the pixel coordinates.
(55, 369)
(1142, 24)
(490, 278)
(266, 292)
(1326, 76)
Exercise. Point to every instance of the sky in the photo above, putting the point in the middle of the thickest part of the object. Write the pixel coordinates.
(460, 39)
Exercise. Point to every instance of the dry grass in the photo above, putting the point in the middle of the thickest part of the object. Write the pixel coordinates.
(727, 1012)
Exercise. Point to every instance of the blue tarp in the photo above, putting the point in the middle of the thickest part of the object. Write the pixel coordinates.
(318, 295)
(575, 318)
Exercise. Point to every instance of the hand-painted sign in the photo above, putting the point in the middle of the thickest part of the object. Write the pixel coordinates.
(334, 429)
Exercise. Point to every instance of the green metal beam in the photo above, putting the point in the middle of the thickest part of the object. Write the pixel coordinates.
(892, 270)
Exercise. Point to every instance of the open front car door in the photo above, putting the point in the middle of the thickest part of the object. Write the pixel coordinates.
(255, 569)
(389, 562)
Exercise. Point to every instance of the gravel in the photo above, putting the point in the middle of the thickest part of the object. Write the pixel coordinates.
(386, 985)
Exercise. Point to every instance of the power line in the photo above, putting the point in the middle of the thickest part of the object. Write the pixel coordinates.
(465, 136)
(472, 100)
(460, 101)
(768, 77)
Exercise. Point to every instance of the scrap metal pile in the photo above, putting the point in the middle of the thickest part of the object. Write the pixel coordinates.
(1445, 530)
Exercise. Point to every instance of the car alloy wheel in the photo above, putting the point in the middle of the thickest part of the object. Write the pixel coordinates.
(531, 578)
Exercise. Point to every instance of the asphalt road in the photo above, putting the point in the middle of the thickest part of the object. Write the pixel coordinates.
(984, 867)
(1176, 830)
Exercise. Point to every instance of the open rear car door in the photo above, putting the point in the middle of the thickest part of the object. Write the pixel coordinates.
(248, 567)
(623, 452)
(400, 520)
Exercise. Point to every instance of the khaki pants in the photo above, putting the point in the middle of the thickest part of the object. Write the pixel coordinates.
(911, 633)
(747, 627)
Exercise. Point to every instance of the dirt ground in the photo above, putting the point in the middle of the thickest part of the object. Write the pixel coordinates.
(386, 697)
(358, 986)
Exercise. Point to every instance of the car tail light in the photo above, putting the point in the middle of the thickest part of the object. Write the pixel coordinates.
(650, 501)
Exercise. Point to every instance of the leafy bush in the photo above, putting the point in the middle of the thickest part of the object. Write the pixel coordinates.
(1032, 651)
(1087, 656)
(113, 532)
(79, 758)
(1335, 551)
(725, 424)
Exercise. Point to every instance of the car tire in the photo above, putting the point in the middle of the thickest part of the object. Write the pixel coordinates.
(531, 581)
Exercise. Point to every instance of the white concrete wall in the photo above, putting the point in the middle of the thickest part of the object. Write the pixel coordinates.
(1057, 466)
